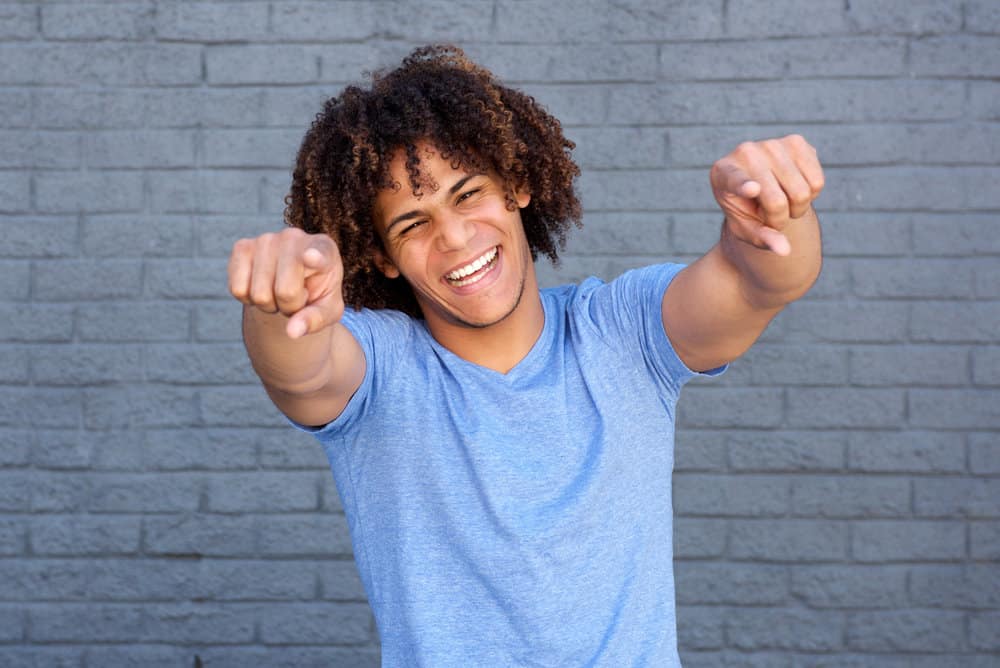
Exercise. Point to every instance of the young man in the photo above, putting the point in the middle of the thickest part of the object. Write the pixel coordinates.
(503, 453)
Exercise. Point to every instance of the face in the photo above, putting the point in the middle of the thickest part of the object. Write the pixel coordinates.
(461, 250)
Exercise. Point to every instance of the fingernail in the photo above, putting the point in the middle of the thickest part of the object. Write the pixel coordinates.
(296, 328)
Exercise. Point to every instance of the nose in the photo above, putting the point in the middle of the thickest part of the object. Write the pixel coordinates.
(454, 232)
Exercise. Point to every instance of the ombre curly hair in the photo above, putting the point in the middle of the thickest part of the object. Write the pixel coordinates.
(437, 95)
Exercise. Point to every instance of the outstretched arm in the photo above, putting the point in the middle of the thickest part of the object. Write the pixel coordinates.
(769, 253)
(290, 285)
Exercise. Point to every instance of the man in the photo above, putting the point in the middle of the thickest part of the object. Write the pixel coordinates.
(503, 453)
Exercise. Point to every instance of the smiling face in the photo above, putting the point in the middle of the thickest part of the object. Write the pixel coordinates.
(459, 247)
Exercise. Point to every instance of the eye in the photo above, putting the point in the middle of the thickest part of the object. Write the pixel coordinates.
(412, 226)
(467, 194)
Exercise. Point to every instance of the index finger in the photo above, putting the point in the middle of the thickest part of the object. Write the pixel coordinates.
(735, 180)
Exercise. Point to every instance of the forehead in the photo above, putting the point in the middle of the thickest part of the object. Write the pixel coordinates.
(434, 174)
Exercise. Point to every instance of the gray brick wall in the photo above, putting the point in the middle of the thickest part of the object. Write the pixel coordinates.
(837, 492)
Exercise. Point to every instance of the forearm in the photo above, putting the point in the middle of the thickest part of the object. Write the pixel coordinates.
(286, 365)
(768, 280)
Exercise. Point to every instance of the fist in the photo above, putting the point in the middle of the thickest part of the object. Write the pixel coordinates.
(293, 273)
(762, 187)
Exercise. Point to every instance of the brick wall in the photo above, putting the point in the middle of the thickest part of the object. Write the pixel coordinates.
(837, 492)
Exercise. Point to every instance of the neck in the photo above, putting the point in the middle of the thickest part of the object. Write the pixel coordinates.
(499, 346)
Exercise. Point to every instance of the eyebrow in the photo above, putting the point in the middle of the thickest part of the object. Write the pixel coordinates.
(409, 215)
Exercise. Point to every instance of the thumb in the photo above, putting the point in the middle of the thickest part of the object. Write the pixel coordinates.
(315, 317)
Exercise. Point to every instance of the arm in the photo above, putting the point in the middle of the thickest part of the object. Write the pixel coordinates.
(769, 253)
(290, 285)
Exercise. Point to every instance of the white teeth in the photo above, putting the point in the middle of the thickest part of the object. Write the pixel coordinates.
(473, 266)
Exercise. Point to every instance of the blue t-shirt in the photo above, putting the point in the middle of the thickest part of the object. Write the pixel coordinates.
(519, 519)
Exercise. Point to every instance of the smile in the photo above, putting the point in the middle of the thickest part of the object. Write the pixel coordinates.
(475, 270)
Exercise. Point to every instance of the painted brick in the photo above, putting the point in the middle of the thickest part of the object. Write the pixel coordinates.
(61, 108)
(15, 283)
(90, 21)
(974, 586)
(914, 18)
(642, 190)
(699, 538)
(845, 407)
(855, 321)
(86, 365)
(35, 322)
(124, 236)
(789, 540)
(340, 582)
(956, 497)
(308, 623)
(290, 106)
(700, 450)
(15, 496)
(14, 366)
(200, 450)
(768, 628)
(186, 278)
(906, 451)
(62, 450)
(15, 445)
(12, 625)
(621, 148)
(785, 450)
(72, 280)
(263, 492)
(80, 535)
(982, 16)
(38, 236)
(846, 496)
(134, 321)
(159, 493)
(139, 148)
(15, 192)
(199, 534)
(61, 492)
(199, 364)
(212, 21)
(217, 234)
(699, 629)
(955, 55)
(238, 407)
(202, 107)
(59, 150)
(914, 630)
(797, 58)
(258, 147)
(984, 453)
(909, 365)
(983, 632)
(219, 321)
(13, 539)
(958, 322)
(796, 365)
(907, 540)
(730, 584)
(343, 63)
(717, 407)
(911, 278)
(148, 656)
(253, 64)
(310, 21)
(95, 192)
(102, 64)
(139, 406)
(853, 586)
(300, 656)
(313, 534)
(33, 656)
(151, 623)
(987, 278)
(572, 104)
(18, 22)
(209, 191)
(20, 407)
(955, 408)
(570, 63)
(731, 496)
(15, 105)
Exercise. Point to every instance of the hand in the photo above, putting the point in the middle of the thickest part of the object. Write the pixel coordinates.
(291, 272)
(764, 186)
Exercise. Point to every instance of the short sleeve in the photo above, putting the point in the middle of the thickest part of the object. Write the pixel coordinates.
(382, 335)
(629, 310)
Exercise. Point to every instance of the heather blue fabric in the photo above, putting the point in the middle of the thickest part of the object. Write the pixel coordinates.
(521, 519)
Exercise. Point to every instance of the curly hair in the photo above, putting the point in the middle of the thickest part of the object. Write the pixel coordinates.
(437, 95)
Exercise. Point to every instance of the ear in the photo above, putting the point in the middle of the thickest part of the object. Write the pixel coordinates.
(385, 265)
(522, 197)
